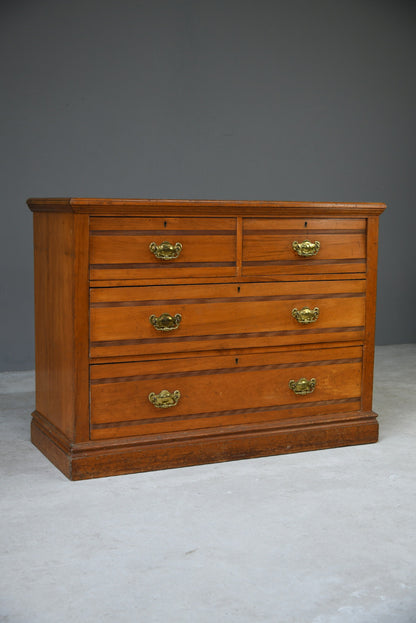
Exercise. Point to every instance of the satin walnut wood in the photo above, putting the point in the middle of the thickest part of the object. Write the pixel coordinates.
(173, 333)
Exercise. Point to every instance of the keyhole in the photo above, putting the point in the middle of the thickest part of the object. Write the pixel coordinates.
(238, 288)
(236, 360)
(306, 223)
(165, 223)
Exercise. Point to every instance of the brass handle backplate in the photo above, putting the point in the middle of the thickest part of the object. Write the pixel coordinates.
(303, 386)
(165, 322)
(306, 248)
(165, 250)
(165, 399)
(305, 315)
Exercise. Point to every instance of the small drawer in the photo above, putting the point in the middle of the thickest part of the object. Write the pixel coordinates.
(149, 248)
(304, 246)
(169, 319)
(188, 394)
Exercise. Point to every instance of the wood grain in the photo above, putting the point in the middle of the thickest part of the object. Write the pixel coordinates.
(142, 225)
(175, 207)
(291, 357)
(116, 324)
(277, 278)
(302, 226)
(217, 291)
(235, 285)
(121, 246)
(278, 247)
(222, 396)
(231, 313)
(368, 370)
(113, 457)
(61, 321)
(213, 390)
(81, 327)
(54, 344)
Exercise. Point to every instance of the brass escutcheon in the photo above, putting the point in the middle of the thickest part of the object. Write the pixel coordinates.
(306, 248)
(165, 250)
(305, 315)
(303, 386)
(165, 399)
(165, 322)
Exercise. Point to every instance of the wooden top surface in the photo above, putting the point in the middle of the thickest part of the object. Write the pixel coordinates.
(154, 207)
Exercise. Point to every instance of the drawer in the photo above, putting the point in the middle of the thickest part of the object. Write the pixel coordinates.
(147, 398)
(170, 319)
(148, 248)
(303, 246)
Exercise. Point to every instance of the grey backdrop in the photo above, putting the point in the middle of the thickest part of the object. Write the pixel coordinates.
(222, 99)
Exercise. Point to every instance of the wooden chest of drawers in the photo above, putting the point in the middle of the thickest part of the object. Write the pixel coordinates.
(173, 333)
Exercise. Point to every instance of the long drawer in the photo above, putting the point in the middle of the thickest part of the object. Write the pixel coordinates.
(153, 248)
(169, 319)
(303, 246)
(146, 398)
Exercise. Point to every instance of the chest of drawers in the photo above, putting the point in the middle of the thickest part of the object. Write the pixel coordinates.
(172, 333)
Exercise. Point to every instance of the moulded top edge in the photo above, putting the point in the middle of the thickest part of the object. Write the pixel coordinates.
(102, 206)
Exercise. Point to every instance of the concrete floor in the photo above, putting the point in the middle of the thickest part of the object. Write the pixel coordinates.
(317, 537)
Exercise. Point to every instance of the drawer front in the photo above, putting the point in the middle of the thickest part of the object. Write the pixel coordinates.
(303, 246)
(169, 319)
(149, 248)
(208, 392)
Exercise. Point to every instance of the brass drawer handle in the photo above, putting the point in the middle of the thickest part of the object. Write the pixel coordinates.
(165, 250)
(165, 399)
(303, 386)
(306, 248)
(305, 315)
(165, 322)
